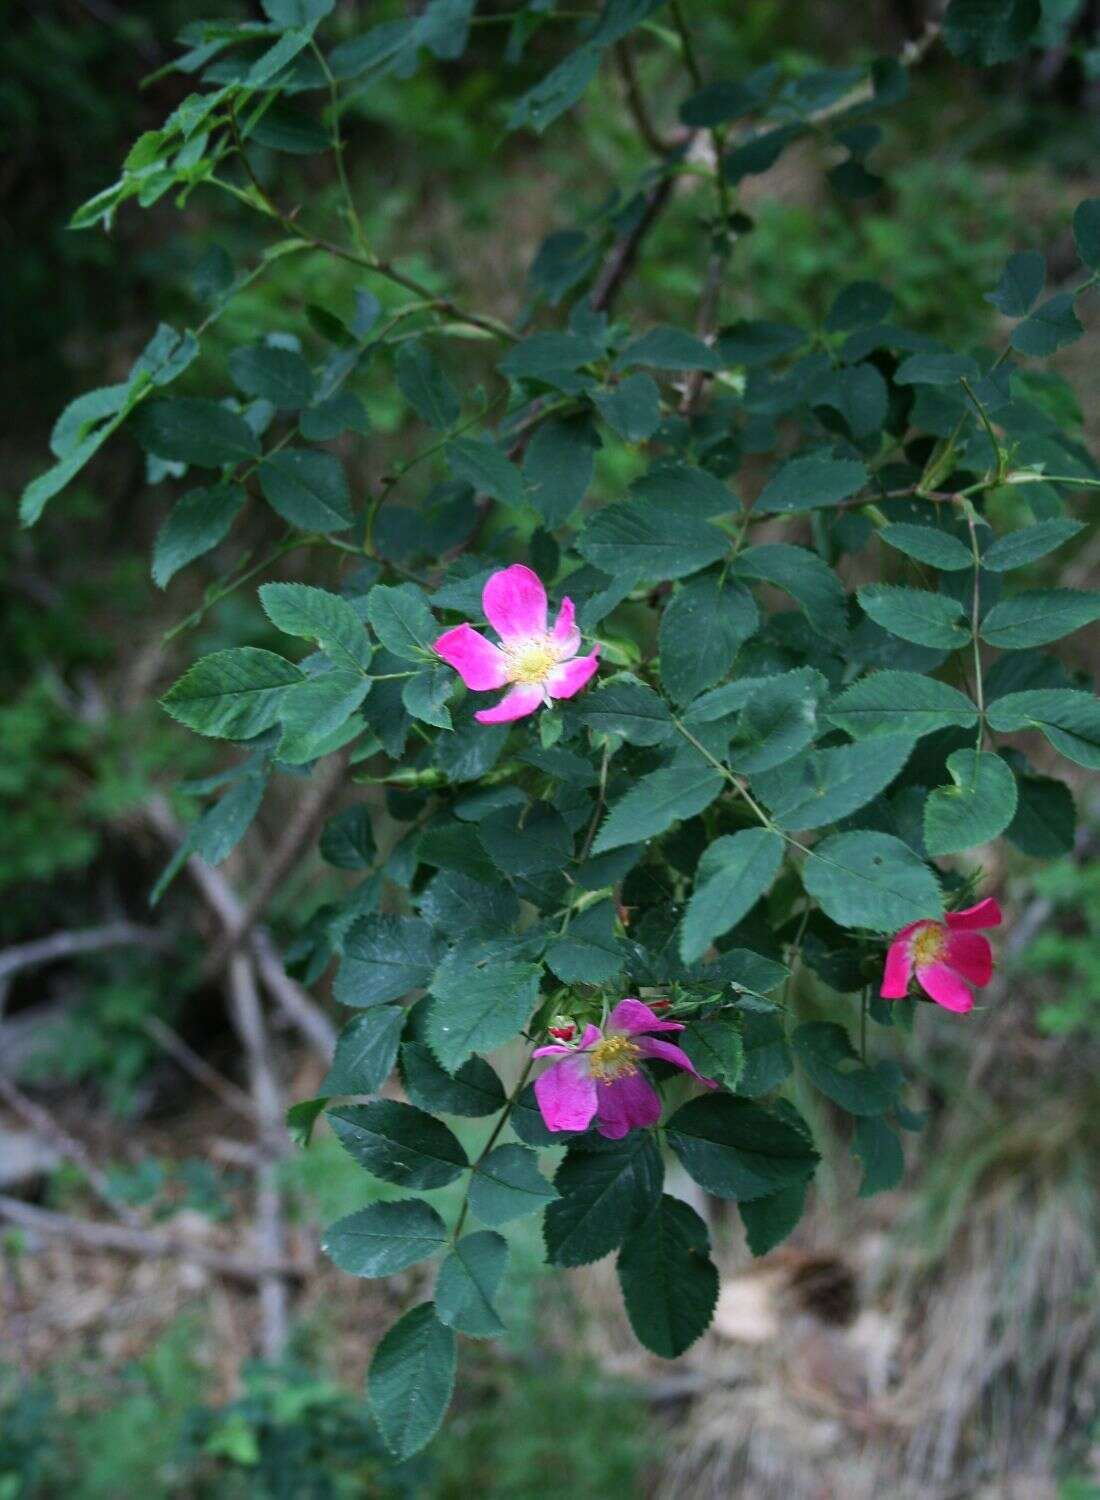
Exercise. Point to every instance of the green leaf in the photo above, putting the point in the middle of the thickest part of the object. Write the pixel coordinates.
(474, 1091)
(341, 413)
(655, 803)
(628, 708)
(317, 714)
(668, 348)
(871, 880)
(767, 1056)
(347, 840)
(558, 91)
(879, 1149)
(198, 522)
(276, 375)
(301, 1118)
(669, 1283)
(733, 873)
(929, 545)
(402, 621)
(715, 1047)
(736, 1149)
(384, 958)
(916, 615)
(1027, 545)
(860, 395)
(548, 356)
(232, 695)
(425, 387)
(307, 488)
(779, 720)
(399, 1143)
(1046, 818)
(1086, 232)
(507, 1185)
(193, 431)
(829, 1059)
(1038, 616)
(366, 1051)
(484, 466)
(603, 1196)
(899, 703)
(328, 620)
(768, 1221)
(643, 539)
(803, 575)
(292, 131)
(411, 1379)
(1053, 324)
(476, 1009)
(463, 907)
(810, 483)
(936, 367)
(1069, 719)
(385, 1238)
(986, 32)
(980, 805)
(823, 786)
(590, 953)
(632, 408)
(557, 468)
(467, 1283)
(1021, 282)
(425, 696)
(701, 631)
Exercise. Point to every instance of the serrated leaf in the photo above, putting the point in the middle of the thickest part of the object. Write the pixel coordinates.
(811, 482)
(425, 696)
(733, 873)
(736, 1149)
(768, 1221)
(307, 488)
(343, 412)
(384, 958)
(701, 631)
(1046, 818)
(425, 387)
(829, 1059)
(473, 1091)
(642, 539)
(475, 1010)
(1019, 548)
(463, 907)
(627, 708)
(915, 615)
(767, 1055)
(979, 805)
(402, 621)
(1052, 325)
(668, 348)
(197, 523)
(655, 803)
(467, 1283)
(385, 1238)
(1038, 616)
(487, 468)
(669, 1283)
(233, 694)
(590, 953)
(803, 575)
(411, 1379)
(366, 1051)
(986, 32)
(936, 367)
(603, 1196)
(1021, 282)
(558, 467)
(347, 840)
(779, 720)
(277, 375)
(193, 431)
(316, 615)
(632, 408)
(507, 1185)
(879, 1149)
(823, 786)
(399, 1143)
(715, 1047)
(900, 703)
(928, 545)
(1069, 719)
(871, 880)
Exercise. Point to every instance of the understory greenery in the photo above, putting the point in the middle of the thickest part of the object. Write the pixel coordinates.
(809, 548)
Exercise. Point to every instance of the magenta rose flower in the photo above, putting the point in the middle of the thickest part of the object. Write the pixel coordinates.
(946, 957)
(540, 664)
(600, 1079)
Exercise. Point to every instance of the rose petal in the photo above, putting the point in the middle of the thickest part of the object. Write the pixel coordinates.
(479, 663)
(899, 965)
(668, 1052)
(566, 1095)
(630, 1016)
(567, 679)
(565, 635)
(986, 914)
(514, 602)
(625, 1104)
(946, 988)
(517, 703)
(971, 954)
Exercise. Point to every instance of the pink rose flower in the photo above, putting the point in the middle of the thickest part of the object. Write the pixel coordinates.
(599, 1078)
(540, 664)
(947, 957)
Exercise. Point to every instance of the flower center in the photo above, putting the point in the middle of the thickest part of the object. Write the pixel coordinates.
(929, 945)
(612, 1058)
(531, 661)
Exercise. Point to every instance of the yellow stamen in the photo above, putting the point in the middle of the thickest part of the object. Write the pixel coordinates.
(532, 661)
(612, 1058)
(929, 944)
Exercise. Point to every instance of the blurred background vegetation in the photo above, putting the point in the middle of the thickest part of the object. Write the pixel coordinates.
(120, 1377)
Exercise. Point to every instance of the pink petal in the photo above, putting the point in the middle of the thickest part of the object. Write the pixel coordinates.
(631, 1015)
(565, 635)
(899, 965)
(625, 1104)
(945, 987)
(479, 663)
(514, 602)
(554, 1049)
(986, 914)
(667, 1052)
(517, 703)
(568, 679)
(566, 1095)
(971, 954)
